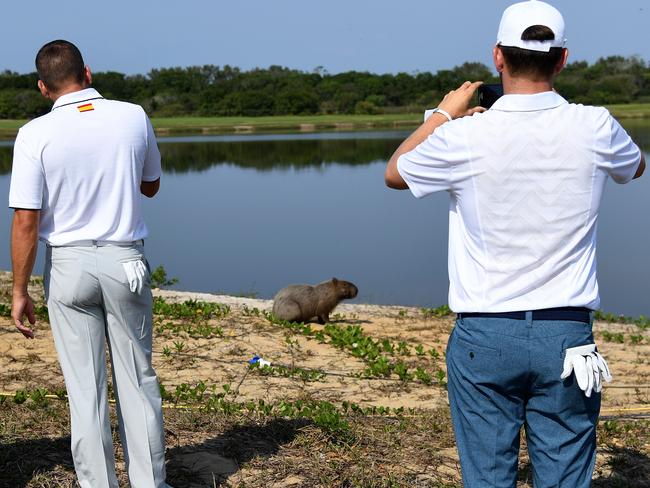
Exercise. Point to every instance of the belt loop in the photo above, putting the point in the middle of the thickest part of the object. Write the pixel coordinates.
(529, 319)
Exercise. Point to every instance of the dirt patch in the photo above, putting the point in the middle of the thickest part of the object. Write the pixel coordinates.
(209, 446)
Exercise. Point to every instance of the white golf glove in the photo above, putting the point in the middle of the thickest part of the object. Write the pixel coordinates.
(589, 367)
(135, 273)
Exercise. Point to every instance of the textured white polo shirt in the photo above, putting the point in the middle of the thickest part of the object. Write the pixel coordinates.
(525, 180)
(82, 165)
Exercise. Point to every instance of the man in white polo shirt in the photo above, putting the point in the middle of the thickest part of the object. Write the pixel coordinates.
(525, 179)
(76, 181)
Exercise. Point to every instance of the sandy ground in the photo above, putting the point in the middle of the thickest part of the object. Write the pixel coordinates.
(224, 360)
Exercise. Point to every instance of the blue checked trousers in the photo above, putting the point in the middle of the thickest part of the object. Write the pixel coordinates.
(504, 374)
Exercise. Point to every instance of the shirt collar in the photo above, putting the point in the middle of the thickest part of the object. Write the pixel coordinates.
(76, 97)
(528, 103)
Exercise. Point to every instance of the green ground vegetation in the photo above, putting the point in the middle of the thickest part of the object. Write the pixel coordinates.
(286, 122)
(312, 443)
(307, 440)
(630, 113)
(220, 434)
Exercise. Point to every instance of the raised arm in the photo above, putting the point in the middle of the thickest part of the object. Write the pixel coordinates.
(456, 104)
(392, 177)
(24, 244)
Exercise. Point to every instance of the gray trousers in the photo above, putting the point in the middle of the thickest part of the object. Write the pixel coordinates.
(90, 305)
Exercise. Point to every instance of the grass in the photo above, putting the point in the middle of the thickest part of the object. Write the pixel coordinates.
(641, 321)
(6, 124)
(292, 123)
(314, 443)
(311, 442)
(219, 434)
(193, 310)
(282, 122)
(274, 123)
(630, 110)
(383, 358)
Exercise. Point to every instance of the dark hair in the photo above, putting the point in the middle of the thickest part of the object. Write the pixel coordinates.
(58, 63)
(536, 64)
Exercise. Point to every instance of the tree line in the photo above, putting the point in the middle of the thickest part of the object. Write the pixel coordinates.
(228, 91)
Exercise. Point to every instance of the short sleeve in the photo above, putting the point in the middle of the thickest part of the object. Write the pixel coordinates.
(27, 176)
(429, 168)
(152, 169)
(619, 156)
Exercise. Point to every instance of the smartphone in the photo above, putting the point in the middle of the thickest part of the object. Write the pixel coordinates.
(488, 94)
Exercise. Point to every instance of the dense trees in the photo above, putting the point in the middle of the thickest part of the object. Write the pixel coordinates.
(214, 90)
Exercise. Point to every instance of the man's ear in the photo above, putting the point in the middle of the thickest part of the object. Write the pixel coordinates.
(88, 76)
(562, 63)
(497, 58)
(43, 89)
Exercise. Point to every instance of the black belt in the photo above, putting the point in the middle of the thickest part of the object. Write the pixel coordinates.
(576, 314)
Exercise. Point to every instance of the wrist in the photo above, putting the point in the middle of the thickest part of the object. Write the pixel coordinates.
(444, 113)
(19, 290)
(440, 111)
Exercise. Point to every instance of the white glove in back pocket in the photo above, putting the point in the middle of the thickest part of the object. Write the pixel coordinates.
(136, 272)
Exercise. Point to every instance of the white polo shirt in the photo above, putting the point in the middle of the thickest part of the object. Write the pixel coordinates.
(82, 165)
(525, 180)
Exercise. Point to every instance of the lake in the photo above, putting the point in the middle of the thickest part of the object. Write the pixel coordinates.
(249, 214)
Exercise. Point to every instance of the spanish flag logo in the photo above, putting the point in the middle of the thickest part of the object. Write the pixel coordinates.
(87, 107)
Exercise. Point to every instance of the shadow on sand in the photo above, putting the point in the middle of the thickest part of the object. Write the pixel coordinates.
(627, 468)
(207, 464)
(22, 460)
(213, 461)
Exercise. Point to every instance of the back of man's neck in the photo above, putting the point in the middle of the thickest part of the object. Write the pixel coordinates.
(67, 90)
(522, 86)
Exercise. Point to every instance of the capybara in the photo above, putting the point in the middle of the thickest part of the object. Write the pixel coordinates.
(301, 303)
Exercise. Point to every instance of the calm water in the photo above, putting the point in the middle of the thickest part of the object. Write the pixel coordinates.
(250, 214)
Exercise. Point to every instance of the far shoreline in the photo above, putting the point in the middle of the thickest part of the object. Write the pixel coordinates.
(190, 125)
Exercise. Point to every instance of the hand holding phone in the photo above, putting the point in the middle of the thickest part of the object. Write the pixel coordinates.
(488, 94)
(457, 102)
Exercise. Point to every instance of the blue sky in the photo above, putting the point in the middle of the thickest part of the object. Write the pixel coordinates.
(382, 36)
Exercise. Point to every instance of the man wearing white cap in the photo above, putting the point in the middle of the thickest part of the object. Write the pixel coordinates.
(76, 181)
(525, 179)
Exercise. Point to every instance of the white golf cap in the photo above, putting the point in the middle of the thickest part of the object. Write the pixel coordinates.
(520, 16)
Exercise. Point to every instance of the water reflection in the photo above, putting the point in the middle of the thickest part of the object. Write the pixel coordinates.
(639, 130)
(267, 155)
(266, 152)
(253, 213)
